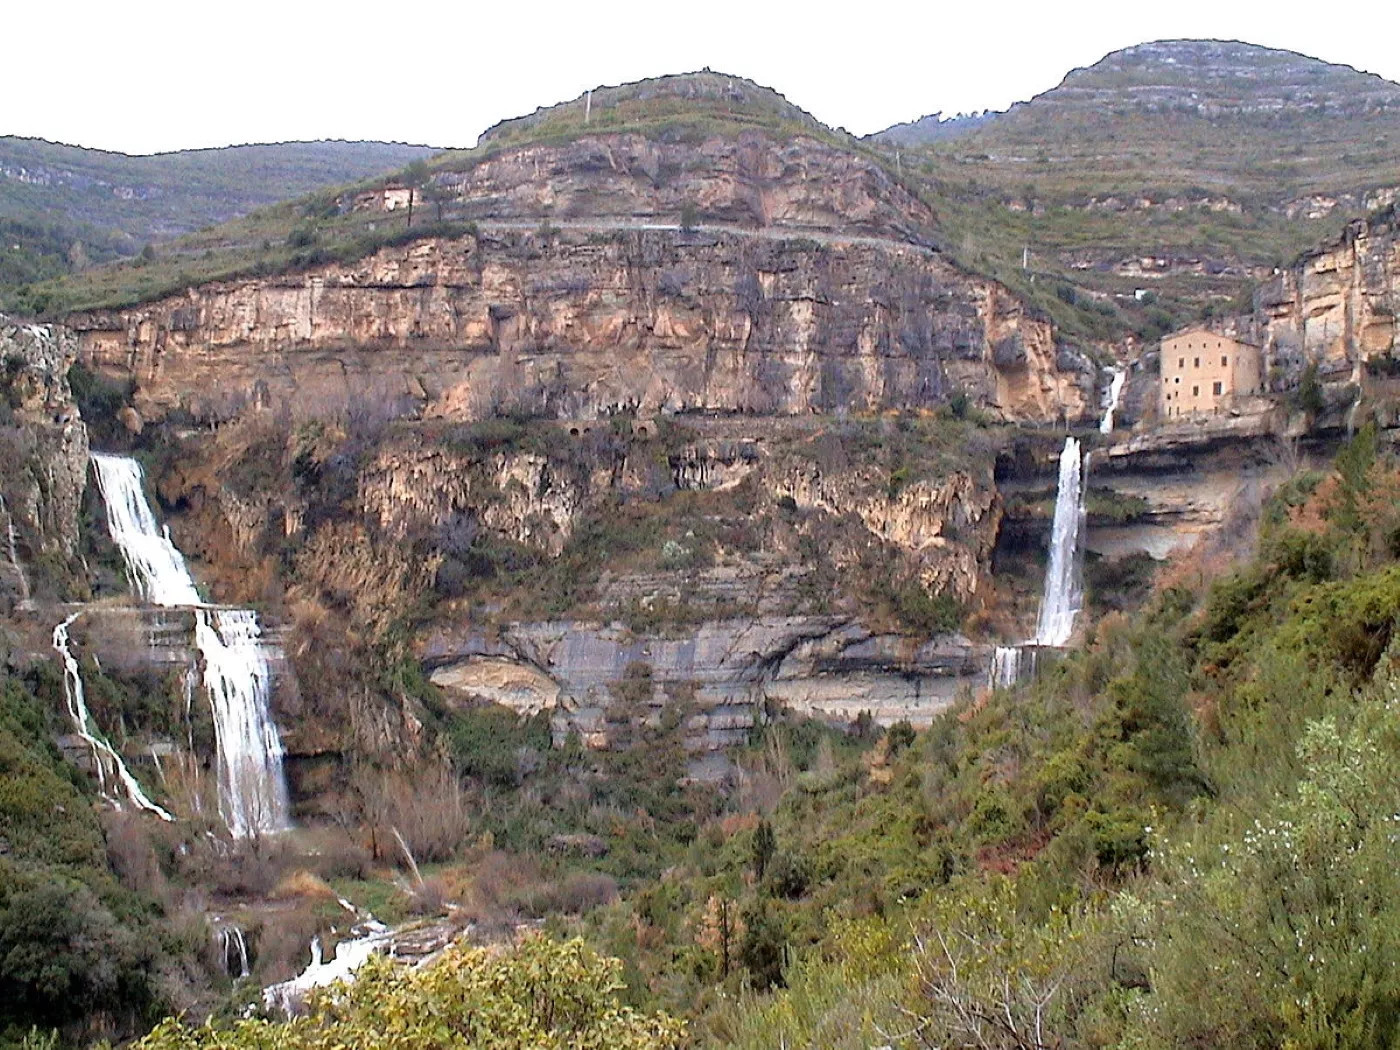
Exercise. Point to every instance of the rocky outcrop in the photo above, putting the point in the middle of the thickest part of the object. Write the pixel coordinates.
(44, 446)
(579, 325)
(1336, 306)
(717, 679)
(801, 183)
(949, 525)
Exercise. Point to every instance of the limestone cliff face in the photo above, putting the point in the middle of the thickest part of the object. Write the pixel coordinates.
(748, 180)
(43, 443)
(808, 286)
(947, 525)
(577, 326)
(1336, 306)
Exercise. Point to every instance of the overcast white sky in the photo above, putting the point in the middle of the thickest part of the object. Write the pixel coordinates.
(149, 75)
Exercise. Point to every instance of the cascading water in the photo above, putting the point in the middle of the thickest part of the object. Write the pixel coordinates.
(367, 940)
(1062, 598)
(11, 550)
(1111, 396)
(1006, 666)
(154, 565)
(234, 948)
(252, 789)
(103, 753)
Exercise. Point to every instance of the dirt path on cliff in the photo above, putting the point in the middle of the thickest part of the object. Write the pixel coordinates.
(762, 233)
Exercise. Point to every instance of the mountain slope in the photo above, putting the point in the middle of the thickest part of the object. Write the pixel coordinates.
(1166, 179)
(63, 207)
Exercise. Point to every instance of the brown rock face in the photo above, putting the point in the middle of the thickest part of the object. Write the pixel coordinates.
(578, 326)
(805, 288)
(1337, 306)
(749, 180)
(43, 444)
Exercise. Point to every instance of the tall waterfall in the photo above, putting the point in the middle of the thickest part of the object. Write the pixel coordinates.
(252, 789)
(1063, 595)
(154, 565)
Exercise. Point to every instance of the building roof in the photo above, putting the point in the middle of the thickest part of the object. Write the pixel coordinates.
(1201, 326)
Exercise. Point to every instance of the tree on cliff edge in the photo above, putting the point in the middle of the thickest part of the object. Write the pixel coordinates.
(415, 176)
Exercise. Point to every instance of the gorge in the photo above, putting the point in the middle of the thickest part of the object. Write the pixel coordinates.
(619, 531)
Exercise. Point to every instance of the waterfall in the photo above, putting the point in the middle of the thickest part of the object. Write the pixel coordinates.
(1006, 667)
(1111, 396)
(10, 547)
(1063, 595)
(369, 938)
(1062, 598)
(234, 947)
(252, 789)
(103, 753)
(154, 566)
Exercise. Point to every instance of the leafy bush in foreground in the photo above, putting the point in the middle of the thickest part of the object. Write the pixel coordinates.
(542, 995)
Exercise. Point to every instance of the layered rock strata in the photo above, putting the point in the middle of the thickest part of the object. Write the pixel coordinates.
(1336, 306)
(717, 679)
(580, 325)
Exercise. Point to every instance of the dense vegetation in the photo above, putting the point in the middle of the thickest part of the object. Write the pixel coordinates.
(539, 996)
(1175, 836)
(78, 949)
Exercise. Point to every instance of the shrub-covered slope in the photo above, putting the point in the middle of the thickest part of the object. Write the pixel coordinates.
(1179, 835)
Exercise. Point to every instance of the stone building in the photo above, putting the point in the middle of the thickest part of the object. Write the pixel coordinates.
(1204, 372)
(385, 198)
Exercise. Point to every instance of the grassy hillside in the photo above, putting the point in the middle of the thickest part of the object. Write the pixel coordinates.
(63, 208)
(1202, 154)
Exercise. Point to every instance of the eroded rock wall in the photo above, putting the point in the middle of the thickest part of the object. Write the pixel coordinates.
(1337, 306)
(44, 445)
(577, 325)
(801, 183)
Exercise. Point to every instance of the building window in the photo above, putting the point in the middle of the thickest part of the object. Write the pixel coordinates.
(1224, 361)
(1196, 363)
(1177, 380)
(1181, 362)
(1195, 391)
(1216, 390)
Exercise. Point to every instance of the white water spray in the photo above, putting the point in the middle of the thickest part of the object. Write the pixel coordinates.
(350, 955)
(234, 946)
(252, 789)
(1063, 596)
(154, 566)
(103, 754)
(1111, 396)
(1006, 666)
(10, 547)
